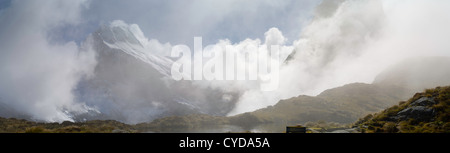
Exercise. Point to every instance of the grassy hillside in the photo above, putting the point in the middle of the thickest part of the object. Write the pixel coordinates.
(13, 125)
(342, 105)
(426, 112)
(359, 99)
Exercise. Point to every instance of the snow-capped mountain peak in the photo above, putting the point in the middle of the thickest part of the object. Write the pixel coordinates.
(131, 81)
(118, 31)
(131, 40)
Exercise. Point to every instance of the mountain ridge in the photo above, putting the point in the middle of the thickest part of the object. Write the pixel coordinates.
(132, 83)
(297, 110)
(326, 107)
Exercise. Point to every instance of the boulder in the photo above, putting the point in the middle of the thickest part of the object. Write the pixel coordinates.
(424, 101)
(67, 123)
(420, 113)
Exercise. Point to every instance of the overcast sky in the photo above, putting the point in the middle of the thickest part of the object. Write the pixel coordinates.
(179, 21)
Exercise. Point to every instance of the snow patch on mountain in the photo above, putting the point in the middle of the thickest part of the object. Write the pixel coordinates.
(131, 40)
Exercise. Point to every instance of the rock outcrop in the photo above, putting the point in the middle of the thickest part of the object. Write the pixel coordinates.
(425, 112)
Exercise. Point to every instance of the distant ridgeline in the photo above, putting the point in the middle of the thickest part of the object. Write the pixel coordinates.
(342, 105)
(426, 112)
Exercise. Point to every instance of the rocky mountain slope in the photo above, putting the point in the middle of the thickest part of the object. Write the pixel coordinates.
(132, 82)
(417, 74)
(426, 112)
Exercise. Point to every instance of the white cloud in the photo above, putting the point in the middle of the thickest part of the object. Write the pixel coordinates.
(274, 37)
(38, 76)
(353, 43)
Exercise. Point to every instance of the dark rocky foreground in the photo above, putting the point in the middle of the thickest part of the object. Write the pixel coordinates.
(426, 112)
(13, 125)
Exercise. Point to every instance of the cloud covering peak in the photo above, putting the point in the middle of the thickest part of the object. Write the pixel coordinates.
(38, 75)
